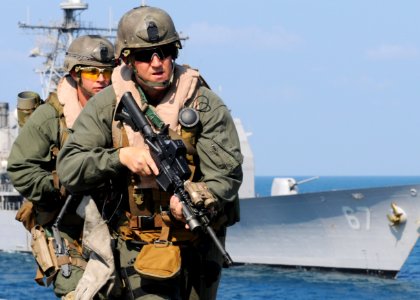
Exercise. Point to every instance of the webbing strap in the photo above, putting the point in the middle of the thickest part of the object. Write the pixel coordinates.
(136, 222)
(63, 260)
(166, 221)
(78, 262)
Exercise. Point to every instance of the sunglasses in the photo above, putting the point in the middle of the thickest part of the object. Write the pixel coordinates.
(146, 55)
(93, 73)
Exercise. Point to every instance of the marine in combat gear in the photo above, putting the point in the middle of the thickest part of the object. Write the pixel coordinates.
(157, 256)
(89, 62)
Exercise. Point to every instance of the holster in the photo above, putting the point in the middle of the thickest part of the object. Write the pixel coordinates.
(48, 263)
(43, 251)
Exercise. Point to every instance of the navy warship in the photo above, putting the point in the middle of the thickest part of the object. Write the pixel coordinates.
(366, 230)
(369, 230)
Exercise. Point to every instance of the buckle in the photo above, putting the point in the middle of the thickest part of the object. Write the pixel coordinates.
(146, 222)
(162, 243)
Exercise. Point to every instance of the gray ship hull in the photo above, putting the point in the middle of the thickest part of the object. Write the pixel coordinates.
(14, 237)
(346, 230)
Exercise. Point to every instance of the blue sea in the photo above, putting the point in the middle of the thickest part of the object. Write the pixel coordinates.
(262, 282)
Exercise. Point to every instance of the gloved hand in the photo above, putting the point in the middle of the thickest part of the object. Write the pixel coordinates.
(26, 215)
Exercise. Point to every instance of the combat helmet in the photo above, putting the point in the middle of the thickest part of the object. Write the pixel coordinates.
(145, 27)
(89, 50)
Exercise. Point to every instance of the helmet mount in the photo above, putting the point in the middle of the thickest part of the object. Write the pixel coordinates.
(145, 27)
(89, 50)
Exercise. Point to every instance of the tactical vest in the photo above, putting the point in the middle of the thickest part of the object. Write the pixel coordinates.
(149, 201)
(63, 134)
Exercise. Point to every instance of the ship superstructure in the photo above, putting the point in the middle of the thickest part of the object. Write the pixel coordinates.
(9, 197)
(56, 39)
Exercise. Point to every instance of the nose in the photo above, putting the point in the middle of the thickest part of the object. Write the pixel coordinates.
(101, 77)
(155, 60)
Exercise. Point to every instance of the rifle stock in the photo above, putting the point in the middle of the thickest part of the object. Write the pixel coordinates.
(170, 158)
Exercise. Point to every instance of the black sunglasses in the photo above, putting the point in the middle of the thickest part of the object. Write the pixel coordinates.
(146, 55)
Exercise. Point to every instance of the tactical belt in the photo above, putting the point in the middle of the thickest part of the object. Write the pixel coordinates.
(60, 260)
(144, 222)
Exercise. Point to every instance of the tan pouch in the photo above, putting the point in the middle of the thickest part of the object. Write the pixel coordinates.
(158, 261)
(42, 250)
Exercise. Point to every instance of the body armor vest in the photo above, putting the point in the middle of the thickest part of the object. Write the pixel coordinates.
(145, 198)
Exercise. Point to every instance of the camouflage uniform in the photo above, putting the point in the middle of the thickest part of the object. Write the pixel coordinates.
(32, 160)
(90, 157)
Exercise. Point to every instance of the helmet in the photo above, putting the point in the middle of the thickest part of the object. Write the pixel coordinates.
(145, 27)
(89, 50)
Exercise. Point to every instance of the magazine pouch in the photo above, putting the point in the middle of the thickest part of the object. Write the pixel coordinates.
(158, 261)
(43, 252)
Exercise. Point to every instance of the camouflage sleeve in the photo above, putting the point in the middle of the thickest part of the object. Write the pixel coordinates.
(88, 158)
(219, 151)
(30, 163)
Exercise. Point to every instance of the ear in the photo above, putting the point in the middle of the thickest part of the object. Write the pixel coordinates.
(73, 74)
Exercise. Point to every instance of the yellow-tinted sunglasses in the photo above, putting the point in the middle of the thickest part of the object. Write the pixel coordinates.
(92, 73)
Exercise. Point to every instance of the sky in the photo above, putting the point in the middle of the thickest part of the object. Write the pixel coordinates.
(325, 87)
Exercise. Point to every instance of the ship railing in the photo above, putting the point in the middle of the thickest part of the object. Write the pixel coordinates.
(10, 199)
(8, 188)
(9, 205)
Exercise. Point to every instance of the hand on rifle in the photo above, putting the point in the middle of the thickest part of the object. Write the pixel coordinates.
(176, 210)
(138, 160)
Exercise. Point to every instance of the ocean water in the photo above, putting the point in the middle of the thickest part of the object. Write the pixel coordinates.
(262, 282)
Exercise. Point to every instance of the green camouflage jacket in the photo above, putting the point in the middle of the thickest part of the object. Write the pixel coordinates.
(30, 163)
(88, 158)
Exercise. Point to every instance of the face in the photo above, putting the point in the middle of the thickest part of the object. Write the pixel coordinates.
(154, 65)
(95, 79)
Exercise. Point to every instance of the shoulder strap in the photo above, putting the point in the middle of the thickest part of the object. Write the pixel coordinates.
(54, 102)
(63, 134)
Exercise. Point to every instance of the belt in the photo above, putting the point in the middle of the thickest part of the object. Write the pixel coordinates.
(144, 222)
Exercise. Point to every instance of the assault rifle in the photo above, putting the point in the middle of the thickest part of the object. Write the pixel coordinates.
(170, 158)
(60, 248)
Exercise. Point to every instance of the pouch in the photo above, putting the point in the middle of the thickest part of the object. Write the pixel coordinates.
(158, 261)
(43, 251)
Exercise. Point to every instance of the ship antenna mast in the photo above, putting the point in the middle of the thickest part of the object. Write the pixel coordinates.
(59, 37)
